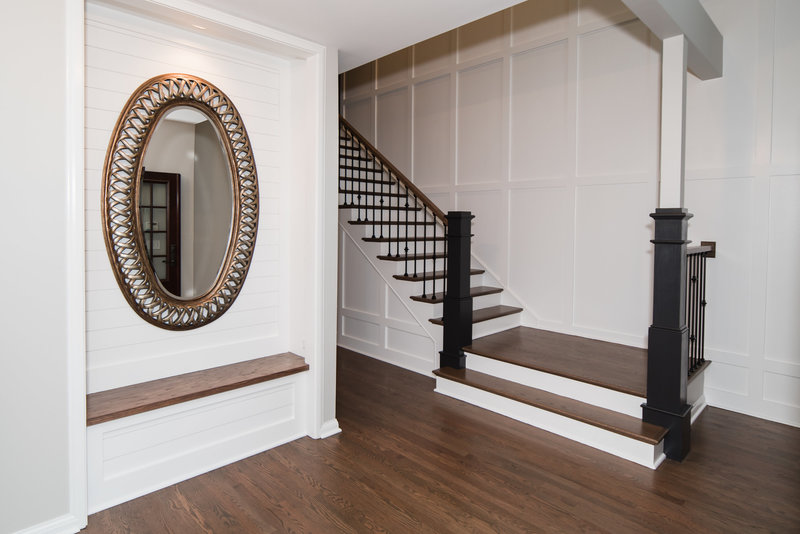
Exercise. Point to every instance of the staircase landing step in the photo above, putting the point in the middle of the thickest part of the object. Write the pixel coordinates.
(478, 291)
(418, 239)
(611, 421)
(375, 208)
(610, 365)
(484, 314)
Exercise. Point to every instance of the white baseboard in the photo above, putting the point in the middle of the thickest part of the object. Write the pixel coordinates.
(634, 450)
(566, 387)
(65, 524)
(136, 455)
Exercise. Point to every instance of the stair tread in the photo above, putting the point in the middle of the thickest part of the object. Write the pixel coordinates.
(366, 180)
(356, 192)
(612, 421)
(610, 365)
(412, 257)
(376, 208)
(438, 275)
(394, 223)
(418, 239)
(485, 314)
(477, 291)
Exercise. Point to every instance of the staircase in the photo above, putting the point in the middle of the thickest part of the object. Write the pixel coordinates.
(586, 390)
(410, 232)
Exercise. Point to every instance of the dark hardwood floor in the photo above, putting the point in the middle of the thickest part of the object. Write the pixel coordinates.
(410, 460)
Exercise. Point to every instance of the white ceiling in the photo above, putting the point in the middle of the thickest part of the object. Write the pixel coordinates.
(362, 30)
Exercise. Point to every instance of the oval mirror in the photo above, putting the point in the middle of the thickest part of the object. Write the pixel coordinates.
(180, 202)
(185, 202)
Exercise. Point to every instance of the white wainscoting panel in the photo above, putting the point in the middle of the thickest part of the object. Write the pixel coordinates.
(136, 455)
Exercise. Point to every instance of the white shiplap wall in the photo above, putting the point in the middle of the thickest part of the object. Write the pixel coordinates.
(122, 51)
(543, 120)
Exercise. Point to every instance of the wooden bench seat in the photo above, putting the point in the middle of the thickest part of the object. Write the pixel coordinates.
(121, 402)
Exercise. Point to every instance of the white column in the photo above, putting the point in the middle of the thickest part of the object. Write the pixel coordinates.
(673, 121)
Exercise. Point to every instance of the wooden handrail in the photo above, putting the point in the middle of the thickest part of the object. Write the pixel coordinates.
(706, 247)
(408, 184)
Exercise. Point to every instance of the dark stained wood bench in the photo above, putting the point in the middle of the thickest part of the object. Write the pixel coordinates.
(121, 402)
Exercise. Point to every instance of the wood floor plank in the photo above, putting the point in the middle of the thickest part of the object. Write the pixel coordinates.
(610, 365)
(411, 460)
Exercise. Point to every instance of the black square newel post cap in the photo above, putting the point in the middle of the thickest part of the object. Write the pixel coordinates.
(671, 226)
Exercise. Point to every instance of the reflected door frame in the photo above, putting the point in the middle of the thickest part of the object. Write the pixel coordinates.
(171, 254)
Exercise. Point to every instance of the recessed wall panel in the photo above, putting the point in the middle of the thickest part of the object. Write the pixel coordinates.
(479, 124)
(721, 113)
(433, 54)
(722, 213)
(482, 37)
(490, 242)
(602, 12)
(613, 258)
(783, 271)
(362, 286)
(540, 242)
(365, 331)
(618, 96)
(538, 118)
(393, 68)
(360, 80)
(394, 128)
(730, 378)
(539, 19)
(782, 389)
(785, 130)
(361, 114)
(432, 146)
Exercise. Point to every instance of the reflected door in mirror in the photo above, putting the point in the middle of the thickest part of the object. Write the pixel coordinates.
(159, 205)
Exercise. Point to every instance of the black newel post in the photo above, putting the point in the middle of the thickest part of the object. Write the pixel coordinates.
(457, 315)
(668, 340)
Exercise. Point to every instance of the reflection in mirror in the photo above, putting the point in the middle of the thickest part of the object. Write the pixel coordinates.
(186, 202)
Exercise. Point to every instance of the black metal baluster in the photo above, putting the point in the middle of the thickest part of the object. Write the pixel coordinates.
(433, 295)
(416, 229)
(444, 266)
(424, 261)
(373, 174)
(405, 236)
(702, 333)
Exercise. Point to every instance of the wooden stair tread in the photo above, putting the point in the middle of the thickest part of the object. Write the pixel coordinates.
(418, 239)
(129, 400)
(376, 208)
(357, 168)
(356, 192)
(413, 257)
(438, 275)
(610, 365)
(477, 291)
(366, 180)
(485, 314)
(395, 223)
(616, 422)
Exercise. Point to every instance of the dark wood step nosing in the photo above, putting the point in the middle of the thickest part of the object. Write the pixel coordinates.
(486, 314)
(412, 257)
(418, 239)
(474, 292)
(547, 401)
(376, 208)
(395, 223)
(438, 275)
(112, 404)
(356, 192)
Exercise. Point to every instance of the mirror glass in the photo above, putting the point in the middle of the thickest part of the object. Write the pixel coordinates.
(186, 202)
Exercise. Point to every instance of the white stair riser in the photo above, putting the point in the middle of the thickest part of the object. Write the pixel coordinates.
(492, 326)
(566, 387)
(631, 449)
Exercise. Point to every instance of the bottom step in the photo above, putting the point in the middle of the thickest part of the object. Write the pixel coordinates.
(485, 314)
(618, 434)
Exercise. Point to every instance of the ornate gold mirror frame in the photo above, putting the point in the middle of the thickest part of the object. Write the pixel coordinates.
(120, 203)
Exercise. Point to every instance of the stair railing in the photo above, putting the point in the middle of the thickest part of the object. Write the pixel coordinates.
(696, 302)
(361, 162)
(418, 219)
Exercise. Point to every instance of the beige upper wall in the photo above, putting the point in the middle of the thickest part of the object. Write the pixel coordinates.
(544, 119)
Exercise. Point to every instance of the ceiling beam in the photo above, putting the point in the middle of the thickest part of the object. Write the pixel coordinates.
(668, 18)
